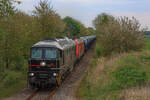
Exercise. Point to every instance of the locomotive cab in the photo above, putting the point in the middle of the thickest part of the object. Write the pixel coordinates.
(43, 66)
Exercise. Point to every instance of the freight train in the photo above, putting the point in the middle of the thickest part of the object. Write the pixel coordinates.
(53, 58)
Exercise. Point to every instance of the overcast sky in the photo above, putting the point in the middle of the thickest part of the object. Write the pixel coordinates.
(86, 10)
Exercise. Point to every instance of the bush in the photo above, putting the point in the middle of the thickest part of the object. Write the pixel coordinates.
(11, 78)
(98, 51)
(129, 76)
(119, 35)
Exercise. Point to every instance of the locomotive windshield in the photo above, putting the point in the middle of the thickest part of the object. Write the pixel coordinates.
(43, 53)
(50, 53)
(36, 53)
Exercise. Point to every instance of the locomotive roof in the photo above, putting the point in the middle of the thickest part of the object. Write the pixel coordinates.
(60, 43)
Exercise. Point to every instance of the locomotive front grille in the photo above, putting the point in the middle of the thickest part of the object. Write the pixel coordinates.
(43, 75)
(40, 68)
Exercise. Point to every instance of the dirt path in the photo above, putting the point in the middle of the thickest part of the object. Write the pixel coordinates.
(67, 91)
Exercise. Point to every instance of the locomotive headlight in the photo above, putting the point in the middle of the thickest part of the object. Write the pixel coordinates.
(31, 74)
(54, 74)
(43, 64)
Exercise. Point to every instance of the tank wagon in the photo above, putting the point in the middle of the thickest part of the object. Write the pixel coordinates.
(53, 58)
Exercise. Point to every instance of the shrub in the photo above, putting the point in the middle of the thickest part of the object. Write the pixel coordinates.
(98, 51)
(119, 34)
(11, 78)
(129, 76)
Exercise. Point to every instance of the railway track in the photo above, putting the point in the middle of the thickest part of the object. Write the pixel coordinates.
(33, 94)
(50, 93)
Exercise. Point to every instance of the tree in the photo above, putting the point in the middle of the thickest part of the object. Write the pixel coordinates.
(120, 34)
(6, 11)
(49, 22)
(7, 8)
(91, 31)
(102, 20)
(73, 27)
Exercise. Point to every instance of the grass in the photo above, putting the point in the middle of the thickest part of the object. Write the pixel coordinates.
(11, 82)
(100, 82)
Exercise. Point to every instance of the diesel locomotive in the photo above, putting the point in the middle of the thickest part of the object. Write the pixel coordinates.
(53, 58)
